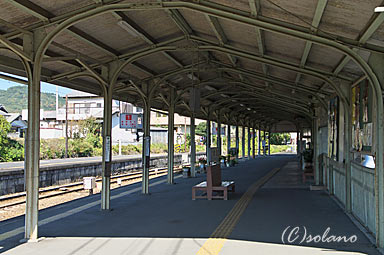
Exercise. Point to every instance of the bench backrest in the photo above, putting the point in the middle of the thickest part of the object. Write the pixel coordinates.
(214, 176)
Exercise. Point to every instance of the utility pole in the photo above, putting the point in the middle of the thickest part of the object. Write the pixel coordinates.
(57, 100)
(66, 126)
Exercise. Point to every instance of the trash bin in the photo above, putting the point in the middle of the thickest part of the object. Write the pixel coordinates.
(186, 172)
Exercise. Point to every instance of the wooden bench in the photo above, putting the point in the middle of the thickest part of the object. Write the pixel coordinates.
(213, 184)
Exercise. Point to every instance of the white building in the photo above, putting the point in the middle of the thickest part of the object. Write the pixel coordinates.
(182, 125)
(83, 105)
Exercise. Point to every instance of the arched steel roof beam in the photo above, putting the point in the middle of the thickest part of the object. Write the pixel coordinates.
(303, 110)
(250, 85)
(260, 108)
(224, 91)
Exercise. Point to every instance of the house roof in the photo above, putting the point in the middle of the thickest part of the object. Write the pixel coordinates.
(3, 113)
(12, 117)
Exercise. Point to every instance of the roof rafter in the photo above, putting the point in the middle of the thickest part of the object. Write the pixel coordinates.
(219, 32)
(365, 35)
(320, 8)
(45, 15)
(255, 11)
(144, 35)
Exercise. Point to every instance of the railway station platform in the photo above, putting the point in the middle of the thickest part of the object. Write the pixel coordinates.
(168, 222)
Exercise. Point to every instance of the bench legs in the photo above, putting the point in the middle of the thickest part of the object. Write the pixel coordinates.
(209, 192)
(225, 194)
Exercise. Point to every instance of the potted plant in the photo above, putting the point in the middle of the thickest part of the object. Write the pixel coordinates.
(228, 160)
(186, 172)
(223, 161)
(233, 162)
(308, 157)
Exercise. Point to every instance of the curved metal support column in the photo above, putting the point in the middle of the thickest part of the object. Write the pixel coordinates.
(237, 141)
(228, 138)
(264, 142)
(32, 161)
(208, 141)
(376, 61)
(243, 141)
(315, 144)
(107, 152)
(219, 133)
(193, 146)
(259, 141)
(32, 158)
(269, 142)
(104, 81)
(146, 153)
(171, 132)
(249, 142)
(253, 142)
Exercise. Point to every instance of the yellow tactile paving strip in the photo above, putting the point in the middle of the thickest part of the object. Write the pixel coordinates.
(216, 241)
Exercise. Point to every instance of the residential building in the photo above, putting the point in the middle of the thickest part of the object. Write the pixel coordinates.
(18, 125)
(84, 105)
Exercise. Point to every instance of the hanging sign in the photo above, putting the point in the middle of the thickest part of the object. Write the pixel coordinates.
(131, 120)
(107, 151)
(147, 141)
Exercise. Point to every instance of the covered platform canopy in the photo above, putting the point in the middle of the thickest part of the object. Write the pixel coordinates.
(245, 63)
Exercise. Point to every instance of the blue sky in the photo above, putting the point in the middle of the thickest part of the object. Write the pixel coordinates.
(45, 87)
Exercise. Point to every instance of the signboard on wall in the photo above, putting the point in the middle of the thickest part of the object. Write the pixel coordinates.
(131, 120)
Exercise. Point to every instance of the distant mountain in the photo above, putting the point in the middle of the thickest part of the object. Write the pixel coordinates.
(15, 99)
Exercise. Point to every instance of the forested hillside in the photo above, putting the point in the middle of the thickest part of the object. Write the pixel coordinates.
(14, 99)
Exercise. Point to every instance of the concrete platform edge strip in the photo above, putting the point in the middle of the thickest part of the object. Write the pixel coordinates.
(216, 241)
(20, 230)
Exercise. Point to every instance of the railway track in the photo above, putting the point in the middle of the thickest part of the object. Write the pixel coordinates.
(78, 186)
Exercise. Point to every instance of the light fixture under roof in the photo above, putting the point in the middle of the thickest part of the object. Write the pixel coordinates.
(224, 95)
(379, 9)
(192, 77)
(241, 104)
(124, 25)
(176, 78)
(248, 109)
(210, 88)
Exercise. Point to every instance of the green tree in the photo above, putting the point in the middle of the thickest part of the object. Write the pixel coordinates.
(86, 140)
(10, 150)
(15, 98)
(280, 138)
(201, 129)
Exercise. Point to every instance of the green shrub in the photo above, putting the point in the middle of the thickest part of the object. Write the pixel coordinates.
(52, 148)
(81, 148)
(10, 150)
(279, 148)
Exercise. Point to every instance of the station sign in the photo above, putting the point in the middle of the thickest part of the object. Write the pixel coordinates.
(131, 120)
